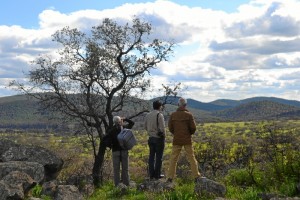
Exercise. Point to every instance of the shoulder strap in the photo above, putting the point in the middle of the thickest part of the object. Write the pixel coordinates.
(157, 121)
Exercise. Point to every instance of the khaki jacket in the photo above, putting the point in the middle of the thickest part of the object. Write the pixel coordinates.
(182, 125)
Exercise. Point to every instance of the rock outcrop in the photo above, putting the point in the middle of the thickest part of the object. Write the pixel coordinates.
(33, 169)
(15, 185)
(52, 164)
(23, 167)
(206, 186)
(156, 185)
(6, 145)
(202, 186)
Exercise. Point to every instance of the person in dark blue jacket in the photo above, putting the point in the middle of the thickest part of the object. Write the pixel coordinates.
(119, 155)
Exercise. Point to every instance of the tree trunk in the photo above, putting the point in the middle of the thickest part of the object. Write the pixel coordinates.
(98, 165)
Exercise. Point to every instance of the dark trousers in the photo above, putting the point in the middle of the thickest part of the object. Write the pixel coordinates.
(156, 146)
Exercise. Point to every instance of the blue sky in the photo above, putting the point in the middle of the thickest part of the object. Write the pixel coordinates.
(26, 12)
(231, 49)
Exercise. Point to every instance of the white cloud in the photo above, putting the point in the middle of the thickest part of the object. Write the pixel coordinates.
(251, 52)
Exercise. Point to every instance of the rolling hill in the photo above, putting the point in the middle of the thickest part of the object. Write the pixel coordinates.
(20, 112)
(222, 104)
(259, 110)
(256, 108)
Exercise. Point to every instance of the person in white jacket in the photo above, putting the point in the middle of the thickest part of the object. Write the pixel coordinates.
(155, 126)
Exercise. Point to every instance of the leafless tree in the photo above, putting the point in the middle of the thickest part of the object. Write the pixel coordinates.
(96, 75)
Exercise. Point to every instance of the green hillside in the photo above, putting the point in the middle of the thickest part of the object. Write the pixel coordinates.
(21, 112)
(258, 110)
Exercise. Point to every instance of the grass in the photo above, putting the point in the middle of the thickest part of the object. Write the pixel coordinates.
(218, 146)
(239, 193)
(184, 190)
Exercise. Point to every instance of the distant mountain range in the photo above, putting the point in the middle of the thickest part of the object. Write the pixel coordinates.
(19, 112)
(256, 108)
(222, 104)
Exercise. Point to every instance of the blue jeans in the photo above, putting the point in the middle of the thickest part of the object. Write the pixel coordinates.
(156, 146)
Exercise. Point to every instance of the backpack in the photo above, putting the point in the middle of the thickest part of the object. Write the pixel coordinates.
(126, 139)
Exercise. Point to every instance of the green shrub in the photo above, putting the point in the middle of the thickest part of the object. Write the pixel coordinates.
(288, 188)
(36, 191)
(238, 193)
(178, 195)
(239, 177)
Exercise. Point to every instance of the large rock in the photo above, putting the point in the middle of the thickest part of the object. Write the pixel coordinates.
(61, 192)
(6, 145)
(6, 193)
(285, 198)
(67, 192)
(19, 179)
(50, 161)
(83, 182)
(156, 185)
(33, 169)
(49, 188)
(268, 196)
(206, 186)
(15, 185)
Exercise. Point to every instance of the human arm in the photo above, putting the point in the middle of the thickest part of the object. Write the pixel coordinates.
(170, 125)
(192, 125)
(145, 123)
(161, 123)
(130, 123)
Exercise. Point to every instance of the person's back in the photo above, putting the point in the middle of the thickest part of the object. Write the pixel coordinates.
(182, 126)
(155, 126)
(154, 122)
(119, 155)
(115, 130)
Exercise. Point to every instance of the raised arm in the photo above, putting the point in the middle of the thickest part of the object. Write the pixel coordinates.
(130, 123)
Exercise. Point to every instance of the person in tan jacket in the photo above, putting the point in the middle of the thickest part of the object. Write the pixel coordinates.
(182, 125)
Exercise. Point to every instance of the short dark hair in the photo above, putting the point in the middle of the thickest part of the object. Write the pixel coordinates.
(156, 104)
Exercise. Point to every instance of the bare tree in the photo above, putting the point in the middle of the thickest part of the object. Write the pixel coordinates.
(96, 75)
(171, 93)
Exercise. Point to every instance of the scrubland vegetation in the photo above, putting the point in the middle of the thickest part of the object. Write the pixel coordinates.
(250, 158)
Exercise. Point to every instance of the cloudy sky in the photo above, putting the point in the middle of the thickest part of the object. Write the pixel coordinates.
(231, 49)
